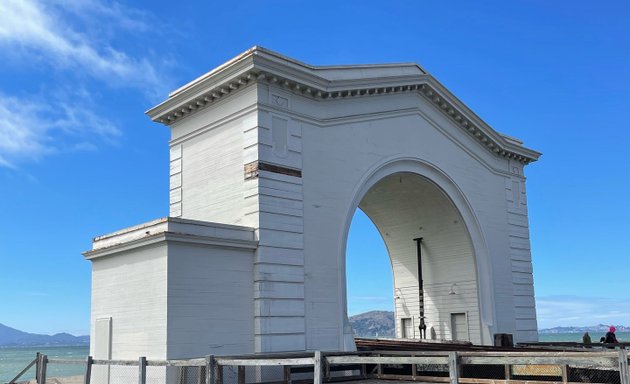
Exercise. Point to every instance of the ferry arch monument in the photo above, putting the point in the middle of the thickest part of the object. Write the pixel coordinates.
(269, 160)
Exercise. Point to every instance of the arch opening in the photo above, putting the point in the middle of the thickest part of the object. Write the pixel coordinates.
(443, 294)
(369, 284)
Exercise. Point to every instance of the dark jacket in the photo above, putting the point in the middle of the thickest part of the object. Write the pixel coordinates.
(610, 338)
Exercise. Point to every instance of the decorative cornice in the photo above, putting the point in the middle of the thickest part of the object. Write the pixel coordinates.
(259, 65)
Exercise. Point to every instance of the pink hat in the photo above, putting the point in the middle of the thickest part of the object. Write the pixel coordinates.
(612, 328)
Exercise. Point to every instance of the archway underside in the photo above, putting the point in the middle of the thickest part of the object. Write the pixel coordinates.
(405, 206)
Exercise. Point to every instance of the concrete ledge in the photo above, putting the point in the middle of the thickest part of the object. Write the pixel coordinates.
(174, 230)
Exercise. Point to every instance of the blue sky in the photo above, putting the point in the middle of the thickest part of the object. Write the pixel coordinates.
(79, 158)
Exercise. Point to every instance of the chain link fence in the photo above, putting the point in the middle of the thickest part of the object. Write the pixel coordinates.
(540, 373)
(604, 367)
(61, 371)
(260, 374)
(190, 375)
(113, 374)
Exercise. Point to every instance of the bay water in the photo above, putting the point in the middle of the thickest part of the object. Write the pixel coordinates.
(623, 337)
(14, 359)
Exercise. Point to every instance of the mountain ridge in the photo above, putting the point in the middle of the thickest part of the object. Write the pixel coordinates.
(11, 337)
(373, 324)
(586, 328)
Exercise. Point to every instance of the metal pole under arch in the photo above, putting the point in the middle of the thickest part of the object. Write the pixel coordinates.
(422, 326)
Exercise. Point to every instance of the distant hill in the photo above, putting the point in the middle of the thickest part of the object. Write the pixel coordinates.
(373, 324)
(599, 328)
(13, 337)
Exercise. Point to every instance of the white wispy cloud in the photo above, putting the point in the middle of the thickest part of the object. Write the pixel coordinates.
(31, 129)
(125, 17)
(82, 45)
(42, 29)
(554, 311)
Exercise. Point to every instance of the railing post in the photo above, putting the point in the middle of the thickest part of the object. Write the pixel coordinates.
(453, 367)
(317, 368)
(508, 372)
(88, 370)
(624, 375)
(42, 369)
(210, 377)
(37, 358)
(142, 370)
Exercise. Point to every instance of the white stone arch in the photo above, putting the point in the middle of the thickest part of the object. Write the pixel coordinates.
(481, 259)
(266, 234)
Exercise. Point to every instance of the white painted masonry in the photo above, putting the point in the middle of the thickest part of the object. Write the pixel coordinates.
(174, 288)
(282, 154)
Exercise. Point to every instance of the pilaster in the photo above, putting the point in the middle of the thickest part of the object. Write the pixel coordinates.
(274, 197)
(520, 253)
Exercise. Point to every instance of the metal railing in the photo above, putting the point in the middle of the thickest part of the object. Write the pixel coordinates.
(317, 367)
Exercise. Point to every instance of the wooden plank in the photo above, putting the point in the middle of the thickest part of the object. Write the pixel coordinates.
(261, 362)
(66, 361)
(387, 359)
(114, 362)
(170, 363)
(280, 355)
(539, 354)
(88, 370)
(402, 353)
(585, 362)
(142, 371)
(178, 363)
